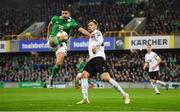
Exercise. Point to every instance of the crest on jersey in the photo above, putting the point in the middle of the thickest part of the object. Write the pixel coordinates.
(60, 27)
(69, 20)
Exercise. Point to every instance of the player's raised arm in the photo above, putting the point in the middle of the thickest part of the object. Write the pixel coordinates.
(85, 32)
(49, 30)
(75, 25)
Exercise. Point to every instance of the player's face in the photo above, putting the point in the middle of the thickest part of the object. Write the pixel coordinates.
(149, 48)
(65, 14)
(91, 27)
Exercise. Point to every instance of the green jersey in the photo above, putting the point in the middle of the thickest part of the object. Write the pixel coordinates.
(59, 24)
(80, 66)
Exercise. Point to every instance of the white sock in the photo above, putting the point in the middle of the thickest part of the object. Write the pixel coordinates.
(155, 87)
(117, 86)
(160, 82)
(84, 87)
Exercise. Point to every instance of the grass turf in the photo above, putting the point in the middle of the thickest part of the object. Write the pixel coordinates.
(101, 100)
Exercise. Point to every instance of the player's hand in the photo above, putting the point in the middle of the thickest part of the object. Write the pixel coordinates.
(92, 35)
(144, 68)
(154, 67)
(94, 49)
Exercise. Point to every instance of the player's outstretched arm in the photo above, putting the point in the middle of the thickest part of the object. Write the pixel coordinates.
(85, 32)
(49, 30)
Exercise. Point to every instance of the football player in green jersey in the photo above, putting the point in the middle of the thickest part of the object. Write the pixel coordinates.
(57, 24)
(80, 66)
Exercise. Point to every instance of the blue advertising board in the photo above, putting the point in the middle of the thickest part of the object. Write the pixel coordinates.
(75, 44)
(81, 44)
(33, 45)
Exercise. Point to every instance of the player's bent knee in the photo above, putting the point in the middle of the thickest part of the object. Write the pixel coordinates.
(152, 80)
(58, 63)
(84, 75)
(51, 43)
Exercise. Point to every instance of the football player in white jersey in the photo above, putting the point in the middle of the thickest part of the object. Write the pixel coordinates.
(97, 64)
(152, 61)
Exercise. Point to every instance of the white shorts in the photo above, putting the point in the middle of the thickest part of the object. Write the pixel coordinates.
(60, 48)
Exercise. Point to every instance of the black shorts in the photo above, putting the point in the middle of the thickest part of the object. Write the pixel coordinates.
(154, 75)
(96, 65)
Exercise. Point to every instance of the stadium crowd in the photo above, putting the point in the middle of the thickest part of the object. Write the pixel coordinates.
(162, 18)
(124, 66)
(162, 15)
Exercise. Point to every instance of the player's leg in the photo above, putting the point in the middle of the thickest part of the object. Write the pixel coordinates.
(60, 54)
(78, 80)
(160, 82)
(163, 84)
(53, 42)
(106, 77)
(154, 85)
(58, 62)
(153, 77)
(103, 69)
(84, 87)
(88, 69)
(157, 81)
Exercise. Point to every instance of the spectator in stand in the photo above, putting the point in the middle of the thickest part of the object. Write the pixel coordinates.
(162, 15)
(125, 67)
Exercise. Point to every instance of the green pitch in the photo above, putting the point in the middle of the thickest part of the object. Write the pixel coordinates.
(101, 99)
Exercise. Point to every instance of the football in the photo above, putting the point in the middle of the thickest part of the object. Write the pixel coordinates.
(62, 36)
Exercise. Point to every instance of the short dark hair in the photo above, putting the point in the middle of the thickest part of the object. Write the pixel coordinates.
(94, 21)
(65, 9)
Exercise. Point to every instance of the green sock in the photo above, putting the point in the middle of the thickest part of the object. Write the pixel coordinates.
(55, 71)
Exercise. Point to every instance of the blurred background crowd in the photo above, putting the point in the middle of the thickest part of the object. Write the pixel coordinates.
(124, 66)
(163, 16)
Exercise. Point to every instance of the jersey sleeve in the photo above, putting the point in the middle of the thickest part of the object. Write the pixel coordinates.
(53, 19)
(156, 56)
(99, 38)
(74, 24)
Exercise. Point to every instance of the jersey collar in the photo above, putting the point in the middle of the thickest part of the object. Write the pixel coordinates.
(69, 19)
(94, 31)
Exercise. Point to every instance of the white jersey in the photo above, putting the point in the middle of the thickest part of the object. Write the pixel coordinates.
(151, 59)
(97, 40)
